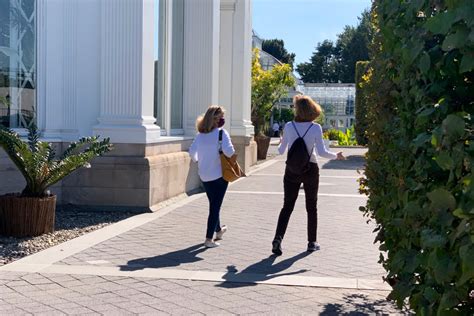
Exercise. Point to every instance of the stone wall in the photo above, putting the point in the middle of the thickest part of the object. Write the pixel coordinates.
(135, 176)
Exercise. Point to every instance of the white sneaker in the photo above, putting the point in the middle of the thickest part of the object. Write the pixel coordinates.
(211, 244)
(220, 233)
(313, 246)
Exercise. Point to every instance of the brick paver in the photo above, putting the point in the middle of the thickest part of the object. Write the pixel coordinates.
(174, 241)
(102, 295)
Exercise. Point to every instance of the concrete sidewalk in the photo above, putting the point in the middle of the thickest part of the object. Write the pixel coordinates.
(155, 264)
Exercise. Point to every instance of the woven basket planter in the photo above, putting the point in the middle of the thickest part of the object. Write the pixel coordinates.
(26, 216)
(263, 143)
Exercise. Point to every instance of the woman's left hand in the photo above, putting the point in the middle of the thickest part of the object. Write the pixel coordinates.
(340, 156)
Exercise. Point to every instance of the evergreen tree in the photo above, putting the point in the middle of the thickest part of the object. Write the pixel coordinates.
(276, 48)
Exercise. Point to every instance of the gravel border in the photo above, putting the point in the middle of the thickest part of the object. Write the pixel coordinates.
(70, 223)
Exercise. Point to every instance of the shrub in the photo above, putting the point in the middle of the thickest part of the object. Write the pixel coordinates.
(331, 134)
(421, 150)
(37, 163)
(361, 121)
(285, 115)
(343, 139)
(268, 86)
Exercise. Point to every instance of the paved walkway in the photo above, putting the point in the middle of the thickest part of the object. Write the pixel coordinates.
(155, 264)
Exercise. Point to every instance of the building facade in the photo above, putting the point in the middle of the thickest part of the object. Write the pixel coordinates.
(137, 71)
(337, 101)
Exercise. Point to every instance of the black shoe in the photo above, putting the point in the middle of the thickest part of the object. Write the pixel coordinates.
(276, 247)
(313, 246)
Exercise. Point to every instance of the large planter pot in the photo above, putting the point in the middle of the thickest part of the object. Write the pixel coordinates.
(263, 143)
(26, 216)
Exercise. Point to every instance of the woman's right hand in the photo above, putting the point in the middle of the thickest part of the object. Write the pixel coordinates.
(340, 156)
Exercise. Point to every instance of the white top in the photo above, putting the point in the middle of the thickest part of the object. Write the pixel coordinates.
(313, 139)
(205, 151)
(276, 126)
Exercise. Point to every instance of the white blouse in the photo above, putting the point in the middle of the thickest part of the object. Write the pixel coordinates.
(205, 151)
(313, 139)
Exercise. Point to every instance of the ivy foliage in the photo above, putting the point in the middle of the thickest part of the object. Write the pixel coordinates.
(361, 102)
(36, 160)
(419, 175)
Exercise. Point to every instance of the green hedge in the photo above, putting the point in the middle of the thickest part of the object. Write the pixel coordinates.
(361, 121)
(421, 151)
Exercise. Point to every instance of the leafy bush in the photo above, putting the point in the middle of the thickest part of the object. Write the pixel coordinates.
(361, 121)
(268, 86)
(331, 134)
(285, 115)
(37, 163)
(343, 139)
(347, 138)
(421, 151)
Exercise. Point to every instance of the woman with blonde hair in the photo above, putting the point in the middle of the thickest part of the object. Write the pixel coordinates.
(210, 140)
(303, 138)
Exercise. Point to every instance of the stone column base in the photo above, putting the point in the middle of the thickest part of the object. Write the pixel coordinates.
(133, 177)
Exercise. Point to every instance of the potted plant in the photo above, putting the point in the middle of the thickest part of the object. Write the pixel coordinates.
(32, 212)
(268, 86)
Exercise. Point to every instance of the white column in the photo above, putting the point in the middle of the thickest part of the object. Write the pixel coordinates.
(235, 64)
(165, 56)
(69, 130)
(57, 69)
(127, 68)
(50, 88)
(201, 59)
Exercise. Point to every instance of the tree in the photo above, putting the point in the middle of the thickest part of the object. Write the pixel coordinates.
(336, 63)
(276, 48)
(267, 88)
(322, 66)
(353, 45)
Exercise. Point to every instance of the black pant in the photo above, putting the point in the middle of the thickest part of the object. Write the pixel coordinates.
(292, 184)
(215, 191)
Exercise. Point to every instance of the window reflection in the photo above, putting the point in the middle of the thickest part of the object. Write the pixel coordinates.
(17, 63)
(169, 15)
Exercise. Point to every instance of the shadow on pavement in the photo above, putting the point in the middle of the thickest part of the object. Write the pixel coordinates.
(260, 271)
(358, 304)
(170, 259)
(351, 163)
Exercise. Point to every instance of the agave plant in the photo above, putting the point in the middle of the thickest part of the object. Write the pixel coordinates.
(37, 161)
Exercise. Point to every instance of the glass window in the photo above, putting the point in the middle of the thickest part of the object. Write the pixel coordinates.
(158, 54)
(169, 17)
(17, 63)
(177, 65)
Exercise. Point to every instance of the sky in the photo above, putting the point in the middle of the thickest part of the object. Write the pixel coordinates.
(301, 24)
